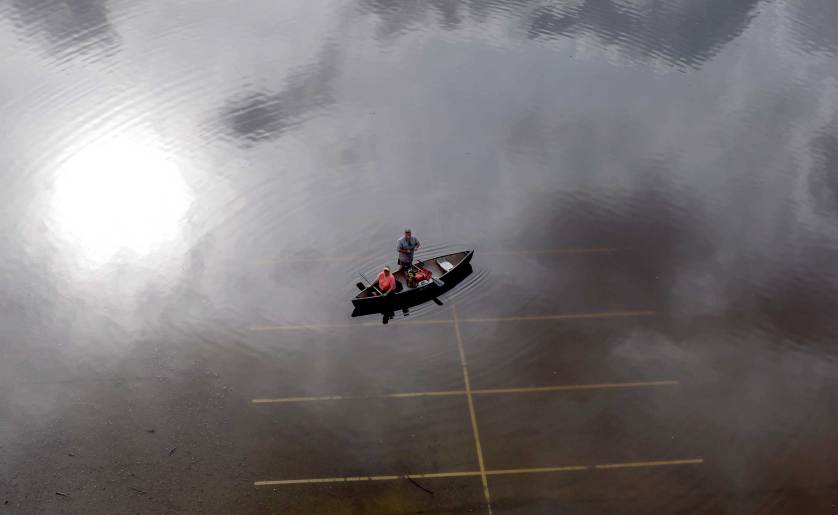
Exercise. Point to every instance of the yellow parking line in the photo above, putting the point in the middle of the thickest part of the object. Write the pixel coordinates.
(561, 316)
(541, 470)
(637, 464)
(474, 473)
(332, 259)
(353, 479)
(444, 474)
(594, 386)
(510, 252)
(485, 391)
(555, 252)
(303, 327)
(471, 412)
(406, 395)
(566, 316)
(326, 480)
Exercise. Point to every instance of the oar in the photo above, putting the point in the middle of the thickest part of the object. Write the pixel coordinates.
(361, 286)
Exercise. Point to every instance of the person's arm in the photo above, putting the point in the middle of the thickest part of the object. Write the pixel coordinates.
(387, 290)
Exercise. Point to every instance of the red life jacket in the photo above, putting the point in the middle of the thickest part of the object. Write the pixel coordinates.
(422, 274)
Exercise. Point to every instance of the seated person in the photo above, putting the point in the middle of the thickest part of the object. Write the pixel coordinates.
(386, 281)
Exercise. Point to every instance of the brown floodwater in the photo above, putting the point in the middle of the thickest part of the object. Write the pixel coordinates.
(190, 191)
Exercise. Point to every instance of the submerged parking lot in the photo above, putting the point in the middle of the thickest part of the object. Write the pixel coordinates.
(570, 409)
(539, 421)
(190, 195)
(453, 409)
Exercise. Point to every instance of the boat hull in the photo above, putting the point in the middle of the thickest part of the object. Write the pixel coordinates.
(368, 301)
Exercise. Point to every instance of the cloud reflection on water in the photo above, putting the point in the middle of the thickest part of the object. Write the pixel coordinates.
(257, 116)
(668, 31)
(71, 26)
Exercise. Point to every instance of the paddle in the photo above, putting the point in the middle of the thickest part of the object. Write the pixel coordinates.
(364, 277)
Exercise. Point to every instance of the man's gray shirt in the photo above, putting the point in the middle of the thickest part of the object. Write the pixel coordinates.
(409, 245)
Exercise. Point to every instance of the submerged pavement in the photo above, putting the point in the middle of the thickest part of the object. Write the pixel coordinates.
(189, 196)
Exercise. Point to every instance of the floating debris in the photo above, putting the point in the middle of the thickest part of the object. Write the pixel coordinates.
(418, 485)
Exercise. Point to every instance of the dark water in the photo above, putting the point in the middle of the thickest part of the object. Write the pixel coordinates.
(174, 174)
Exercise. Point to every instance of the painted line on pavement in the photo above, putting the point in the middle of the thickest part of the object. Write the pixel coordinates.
(449, 393)
(561, 316)
(474, 473)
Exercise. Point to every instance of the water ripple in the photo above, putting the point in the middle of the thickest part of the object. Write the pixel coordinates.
(263, 115)
(813, 25)
(72, 29)
(682, 33)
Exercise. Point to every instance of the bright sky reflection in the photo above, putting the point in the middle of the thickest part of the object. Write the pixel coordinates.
(116, 195)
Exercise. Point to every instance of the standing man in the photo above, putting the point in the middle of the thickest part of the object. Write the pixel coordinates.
(406, 246)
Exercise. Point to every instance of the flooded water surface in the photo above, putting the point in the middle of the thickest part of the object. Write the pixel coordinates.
(190, 192)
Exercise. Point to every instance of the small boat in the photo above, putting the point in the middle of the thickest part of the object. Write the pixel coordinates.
(442, 268)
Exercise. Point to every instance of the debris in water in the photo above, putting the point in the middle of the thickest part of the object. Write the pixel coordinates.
(172, 451)
(418, 485)
(62, 494)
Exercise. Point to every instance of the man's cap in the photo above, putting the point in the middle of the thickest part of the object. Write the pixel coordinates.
(407, 230)
(386, 268)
